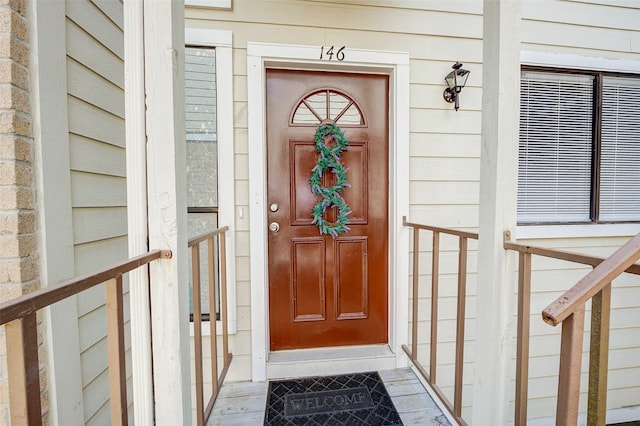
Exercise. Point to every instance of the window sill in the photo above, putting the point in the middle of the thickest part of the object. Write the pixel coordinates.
(577, 231)
(214, 4)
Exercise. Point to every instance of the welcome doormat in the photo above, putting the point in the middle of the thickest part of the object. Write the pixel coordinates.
(351, 399)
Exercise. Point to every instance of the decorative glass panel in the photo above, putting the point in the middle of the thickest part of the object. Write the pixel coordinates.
(350, 116)
(337, 103)
(327, 105)
(304, 115)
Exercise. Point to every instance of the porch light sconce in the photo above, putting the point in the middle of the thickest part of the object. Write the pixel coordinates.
(456, 80)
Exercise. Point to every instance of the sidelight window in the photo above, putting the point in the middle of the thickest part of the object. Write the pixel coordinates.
(202, 152)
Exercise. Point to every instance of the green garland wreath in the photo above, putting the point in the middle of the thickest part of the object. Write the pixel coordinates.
(330, 159)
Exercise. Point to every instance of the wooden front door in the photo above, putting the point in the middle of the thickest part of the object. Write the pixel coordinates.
(326, 291)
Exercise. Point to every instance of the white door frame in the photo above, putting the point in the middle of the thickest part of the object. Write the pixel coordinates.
(396, 64)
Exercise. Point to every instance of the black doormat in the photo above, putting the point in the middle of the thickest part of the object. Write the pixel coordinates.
(351, 399)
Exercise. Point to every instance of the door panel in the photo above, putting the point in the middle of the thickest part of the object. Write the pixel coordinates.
(307, 284)
(352, 284)
(326, 291)
(356, 157)
(303, 159)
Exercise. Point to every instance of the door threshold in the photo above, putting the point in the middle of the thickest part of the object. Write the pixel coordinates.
(329, 361)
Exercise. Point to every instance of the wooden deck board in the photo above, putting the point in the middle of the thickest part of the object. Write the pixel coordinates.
(243, 403)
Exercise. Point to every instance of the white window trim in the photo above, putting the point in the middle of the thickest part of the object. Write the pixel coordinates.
(222, 41)
(578, 230)
(586, 63)
(215, 4)
(578, 62)
(262, 55)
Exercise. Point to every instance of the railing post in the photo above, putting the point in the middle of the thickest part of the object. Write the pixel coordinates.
(24, 370)
(416, 277)
(599, 357)
(223, 299)
(197, 332)
(435, 279)
(460, 317)
(115, 344)
(570, 364)
(522, 352)
(213, 339)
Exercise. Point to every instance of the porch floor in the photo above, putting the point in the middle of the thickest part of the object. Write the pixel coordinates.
(243, 403)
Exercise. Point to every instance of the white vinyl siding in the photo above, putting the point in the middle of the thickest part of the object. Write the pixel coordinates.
(96, 111)
(620, 158)
(554, 179)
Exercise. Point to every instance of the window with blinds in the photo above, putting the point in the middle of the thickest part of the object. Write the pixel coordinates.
(620, 158)
(579, 148)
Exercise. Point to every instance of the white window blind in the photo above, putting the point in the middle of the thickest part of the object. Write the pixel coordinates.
(555, 150)
(620, 155)
(200, 92)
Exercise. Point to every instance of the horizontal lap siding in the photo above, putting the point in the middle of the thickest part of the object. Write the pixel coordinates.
(611, 30)
(584, 28)
(95, 81)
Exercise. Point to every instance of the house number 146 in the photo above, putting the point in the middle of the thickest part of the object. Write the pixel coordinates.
(329, 53)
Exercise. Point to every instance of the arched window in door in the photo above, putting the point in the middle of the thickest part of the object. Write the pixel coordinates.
(327, 105)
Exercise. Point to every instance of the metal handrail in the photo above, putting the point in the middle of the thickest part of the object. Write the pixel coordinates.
(569, 311)
(455, 407)
(623, 260)
(207, 235)
(31, 302)
(19, 317)
(569, 256)
(455, 232)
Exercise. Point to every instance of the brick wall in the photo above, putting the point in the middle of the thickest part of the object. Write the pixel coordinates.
(18, 242)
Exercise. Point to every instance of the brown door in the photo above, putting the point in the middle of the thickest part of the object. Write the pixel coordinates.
(326, 291)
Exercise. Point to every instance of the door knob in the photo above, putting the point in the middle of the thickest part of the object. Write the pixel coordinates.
(274, 227)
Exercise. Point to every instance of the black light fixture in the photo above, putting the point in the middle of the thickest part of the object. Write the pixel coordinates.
(456, 80)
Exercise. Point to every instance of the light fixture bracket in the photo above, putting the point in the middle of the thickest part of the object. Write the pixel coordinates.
(449, 95)
(456, 80)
